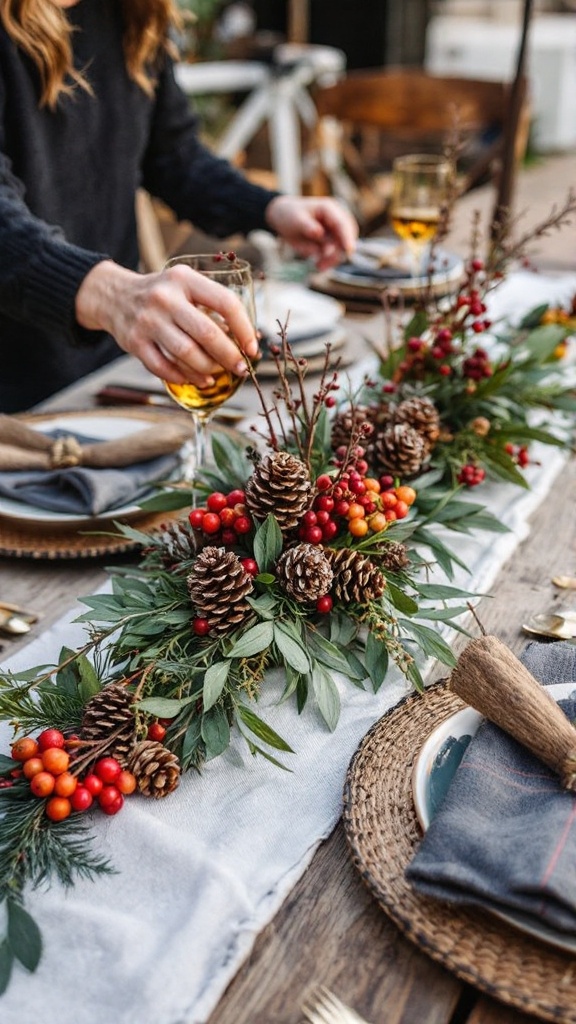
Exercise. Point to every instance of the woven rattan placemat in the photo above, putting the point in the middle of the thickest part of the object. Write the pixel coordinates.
(383, 832)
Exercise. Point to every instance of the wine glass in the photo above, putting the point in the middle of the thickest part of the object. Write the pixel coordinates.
(201, 402)
(420, 190)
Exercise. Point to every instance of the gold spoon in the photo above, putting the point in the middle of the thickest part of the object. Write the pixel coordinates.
(560, 627)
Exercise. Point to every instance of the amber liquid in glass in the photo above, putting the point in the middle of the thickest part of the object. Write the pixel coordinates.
(204, 400)
(415, 225)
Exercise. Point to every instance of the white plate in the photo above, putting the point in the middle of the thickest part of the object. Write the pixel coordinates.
(363, 269)
(101, 428)
(442, 753)
(308, 313)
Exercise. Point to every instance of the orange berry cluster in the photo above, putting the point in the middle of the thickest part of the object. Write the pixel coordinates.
(354, 503)
(48, 764)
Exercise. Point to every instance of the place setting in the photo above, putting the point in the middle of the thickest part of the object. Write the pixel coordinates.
(66, 478)
(407, 260)
(457, 812)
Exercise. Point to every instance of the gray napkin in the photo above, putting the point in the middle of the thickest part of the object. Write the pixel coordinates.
(82, 491)
(505, 836)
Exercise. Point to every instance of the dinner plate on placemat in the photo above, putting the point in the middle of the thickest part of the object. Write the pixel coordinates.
(30, 532)
(383, 832)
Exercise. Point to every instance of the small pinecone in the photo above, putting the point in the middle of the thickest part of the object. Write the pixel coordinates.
(218, 585)
(356, 578)
(107, 712)
(347, 423)
(400, 450)
(304, 572)
(393, 556)
(157, 769)
(422, 415)
(280, 484)
(179, 542)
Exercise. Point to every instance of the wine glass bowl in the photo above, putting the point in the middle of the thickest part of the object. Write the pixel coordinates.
(420, 190)
(236, 275)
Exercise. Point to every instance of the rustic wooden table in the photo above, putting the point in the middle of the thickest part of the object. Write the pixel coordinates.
(330, 930)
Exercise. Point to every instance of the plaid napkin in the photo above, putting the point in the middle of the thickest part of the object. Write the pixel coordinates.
(505, 835)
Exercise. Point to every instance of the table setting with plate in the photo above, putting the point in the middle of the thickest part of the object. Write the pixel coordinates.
(198, 879)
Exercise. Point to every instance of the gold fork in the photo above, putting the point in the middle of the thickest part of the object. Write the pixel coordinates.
(323, 1007)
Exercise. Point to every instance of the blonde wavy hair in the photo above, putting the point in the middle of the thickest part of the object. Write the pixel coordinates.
(42, 31)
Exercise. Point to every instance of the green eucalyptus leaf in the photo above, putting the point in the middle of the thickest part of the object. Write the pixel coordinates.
(267, 543)
(23, 936)
(215, 732)
(192, 738)
(7, 764)
(255, 749)
(291, 649)
(327, 696)
(376, 661)
(165, 707)
(261, 729)
(167, 501)
(327, 653)
(429, 642)
(266, 578)
(254, 640)
(214, 682)
(6, 963)
(89, 683)
(400, 600)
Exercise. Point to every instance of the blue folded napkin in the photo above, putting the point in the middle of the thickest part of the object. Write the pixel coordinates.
(504, 837)
(79, 490)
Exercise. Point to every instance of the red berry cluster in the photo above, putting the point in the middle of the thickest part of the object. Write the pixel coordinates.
(471, 475)
(354, 503)
(48, 764)
(519, 453)
(477, 366)
(224, 519)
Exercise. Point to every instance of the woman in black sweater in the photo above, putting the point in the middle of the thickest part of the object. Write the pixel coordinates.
(89, 112)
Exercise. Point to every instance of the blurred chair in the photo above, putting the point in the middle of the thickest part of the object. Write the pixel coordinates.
(407, 110)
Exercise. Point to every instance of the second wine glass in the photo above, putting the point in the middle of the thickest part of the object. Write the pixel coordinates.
(420, 191)
(201, 402)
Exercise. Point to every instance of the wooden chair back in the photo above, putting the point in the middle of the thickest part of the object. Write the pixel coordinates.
(414, 109)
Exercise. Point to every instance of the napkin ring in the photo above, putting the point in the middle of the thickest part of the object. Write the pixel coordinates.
(65, 452)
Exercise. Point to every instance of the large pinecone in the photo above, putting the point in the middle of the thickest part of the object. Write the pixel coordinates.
(304, 572)
(218, 585)
(157, 769)
(393, 555)
(356, 578)
(109, 715)
(179, 542)
(347, 423)
(281, 485)
(400, 450)
(422, 415)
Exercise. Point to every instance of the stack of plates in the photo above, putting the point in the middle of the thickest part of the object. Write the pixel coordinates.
(379, 264)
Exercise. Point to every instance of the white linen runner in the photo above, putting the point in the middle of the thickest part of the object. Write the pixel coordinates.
(201, 872)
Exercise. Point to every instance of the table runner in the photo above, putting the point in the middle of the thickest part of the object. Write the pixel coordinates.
(201, 873)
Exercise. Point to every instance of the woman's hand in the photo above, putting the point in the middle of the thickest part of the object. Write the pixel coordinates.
(158, 318)
(320, 227)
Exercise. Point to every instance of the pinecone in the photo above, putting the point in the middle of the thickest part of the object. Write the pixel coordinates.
(348, 422)
(218, 585)
(393, 555)
(280, 484)
(179, 542)
(109, 713)
(422, 415)
(156, 768)
(304, 572)
(400, 450)
(356, 578)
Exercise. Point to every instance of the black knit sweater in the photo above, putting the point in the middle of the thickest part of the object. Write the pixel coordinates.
(67, 186)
